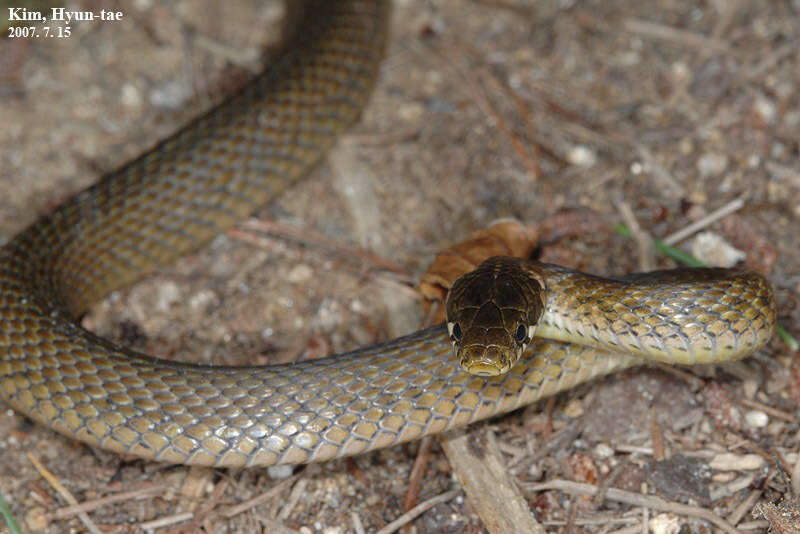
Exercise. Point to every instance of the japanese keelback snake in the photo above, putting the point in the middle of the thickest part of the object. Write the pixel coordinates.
(221, 167)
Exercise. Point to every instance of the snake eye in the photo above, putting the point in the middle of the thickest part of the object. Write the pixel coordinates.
(521, 335)
(455, 332)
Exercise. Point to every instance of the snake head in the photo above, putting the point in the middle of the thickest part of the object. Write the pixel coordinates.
(492, 314)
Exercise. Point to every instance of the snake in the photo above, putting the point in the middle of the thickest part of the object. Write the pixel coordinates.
(221, 167)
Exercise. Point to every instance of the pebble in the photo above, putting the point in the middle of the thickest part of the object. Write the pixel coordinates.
(131, 97)
(765, 109)
(750, 389)
(582, 156)
(36, 519)
(573, 409)
(603, 451)
(712, 249)
(300, 273)
(756, 419)
(665, 524)
(279, 472)
(736, 462)
(712, 164)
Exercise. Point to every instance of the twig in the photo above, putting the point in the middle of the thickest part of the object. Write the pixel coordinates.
(644, 242)
(65, 493)
(259, 499)
(658, 171)
(668, 33)
(774, 412)
(656, 503)
(297, 491)
(480, 96)
(760, 525)
(592, 521)
(727, 209)
(276, 527)
(479, 467)
(745, 506)
(633, 529)
(308, 236)
(357, 525)
(88, 506)
(166, 521)
(417, 474)
(418, 510)
(645, 520)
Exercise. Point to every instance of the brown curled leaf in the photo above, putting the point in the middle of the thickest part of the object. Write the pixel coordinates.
(503, 238)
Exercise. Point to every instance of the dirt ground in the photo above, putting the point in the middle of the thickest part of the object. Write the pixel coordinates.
(653, 113)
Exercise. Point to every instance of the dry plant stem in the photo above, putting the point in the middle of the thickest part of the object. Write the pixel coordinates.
(417, 475)
(647, 259)
(166, 521)
(774, 412)
(358, 526)
(727, 209)
(207, 506)
(636, 499)
(64, 492)
(475, 85)
(88, 506)
(417, 511)
(276, 527)
(260, 499)
(744, 507)
(494, 494)
(294, 497)
(313, 238)
(633, 529)
(668, 33)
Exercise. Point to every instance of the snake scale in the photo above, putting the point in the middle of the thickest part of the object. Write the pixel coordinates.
(218, 169)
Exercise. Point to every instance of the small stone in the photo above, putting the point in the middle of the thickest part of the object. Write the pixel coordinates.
(776, 428)
(756, 419)
(712, 164)
(131, 97)
(300, 273)
(728, 461)
(750, 389)
(603, 451)
(582, 156)
(36, 519)
(412, 112)
(712, 249)
(698, 197)
(535, 472)
(168, 294)
(665, 524)
(279, 472)
(765, 109)
(686, 146)
(201, 299)
(573, 409)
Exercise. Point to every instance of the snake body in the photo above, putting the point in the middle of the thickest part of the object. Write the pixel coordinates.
(686, 316)
(200, 181)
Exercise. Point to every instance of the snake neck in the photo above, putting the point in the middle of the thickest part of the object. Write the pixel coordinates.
(677, 316)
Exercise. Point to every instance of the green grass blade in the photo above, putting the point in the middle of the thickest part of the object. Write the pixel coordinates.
(5, 511)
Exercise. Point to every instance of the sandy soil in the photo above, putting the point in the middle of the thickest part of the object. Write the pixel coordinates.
(661, 109)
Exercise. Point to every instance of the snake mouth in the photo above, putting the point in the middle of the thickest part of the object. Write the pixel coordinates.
(486, 361)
